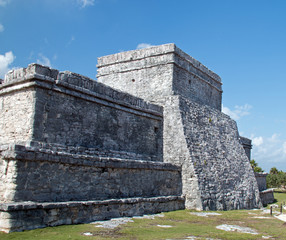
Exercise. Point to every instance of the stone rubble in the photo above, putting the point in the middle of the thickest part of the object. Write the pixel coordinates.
(164, 226)
(205, 214)
(115, 222)
(236, 228)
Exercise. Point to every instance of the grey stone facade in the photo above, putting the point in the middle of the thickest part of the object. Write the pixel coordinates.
(197, 136)
(266, 195)
(261, 180)
(76, 150)
(158, 72)
(246, 143)
(67, 138)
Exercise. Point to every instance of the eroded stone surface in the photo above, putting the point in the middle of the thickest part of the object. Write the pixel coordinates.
(216, 172)
(236, 228)
(205, 214)
(113, 223)
(69, 141)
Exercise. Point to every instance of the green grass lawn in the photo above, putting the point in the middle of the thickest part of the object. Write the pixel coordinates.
(280, 198)
(184, 224)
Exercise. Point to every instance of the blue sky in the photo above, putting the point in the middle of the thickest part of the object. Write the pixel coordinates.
(242, 41)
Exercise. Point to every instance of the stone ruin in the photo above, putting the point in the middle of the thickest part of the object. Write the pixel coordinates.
(148, 136)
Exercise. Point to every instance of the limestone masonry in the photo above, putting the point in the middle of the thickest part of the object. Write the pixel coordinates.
(148, 136)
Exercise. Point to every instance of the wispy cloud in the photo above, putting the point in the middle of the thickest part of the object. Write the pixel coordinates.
(1, 28)
(5, 61)
(238, 112)
(85, 3)
(269, 151)
(3, 3)
(257, 141)
(144, 45)
(70, 41)
(43, 60)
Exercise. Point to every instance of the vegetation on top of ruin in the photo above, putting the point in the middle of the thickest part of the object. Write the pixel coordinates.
(276, 179)
(255, 166)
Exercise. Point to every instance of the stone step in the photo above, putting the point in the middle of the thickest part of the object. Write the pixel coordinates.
(19, 216)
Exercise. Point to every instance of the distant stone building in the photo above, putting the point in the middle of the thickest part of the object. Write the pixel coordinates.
(148, 136)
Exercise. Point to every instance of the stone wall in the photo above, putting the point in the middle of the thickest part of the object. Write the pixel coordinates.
(160, 71)
(29, 174)
(261, 180)
(30, 215)
(73, 150)
(246, 143)
(216, 172)
(16, 114)
(267, 196)
(225, 177)
(72, 110)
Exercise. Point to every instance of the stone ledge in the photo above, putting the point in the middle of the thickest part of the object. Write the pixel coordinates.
(270, 190)
(260, 174)
(267, 196)
(165, 49)
(26, 153)
(60, 149)
(245, 141)
(45, 77)
(50, 205)
(26, 216)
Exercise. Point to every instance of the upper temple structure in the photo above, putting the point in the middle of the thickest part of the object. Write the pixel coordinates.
(148, 136)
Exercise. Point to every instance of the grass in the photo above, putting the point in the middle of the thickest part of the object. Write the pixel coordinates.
(280, 198)
(280, 190)
(183, 223)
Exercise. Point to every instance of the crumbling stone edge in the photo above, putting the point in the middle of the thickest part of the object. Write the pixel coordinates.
(21, 216)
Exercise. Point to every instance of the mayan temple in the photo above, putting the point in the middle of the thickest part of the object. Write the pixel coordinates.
(147, 136)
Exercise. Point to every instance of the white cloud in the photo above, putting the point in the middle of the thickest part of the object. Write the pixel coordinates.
(257, 141)
(85, 3)
(6, 60)
(3, 3)
(143, 45)
(1, 28)
(43, 60)
(269, 151)
(238, 112)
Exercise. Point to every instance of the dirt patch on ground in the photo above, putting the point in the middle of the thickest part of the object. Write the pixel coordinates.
(114, 233)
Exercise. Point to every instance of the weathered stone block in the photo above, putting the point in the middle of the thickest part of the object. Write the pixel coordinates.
(160, 71)
(75, 150)
(216, 173)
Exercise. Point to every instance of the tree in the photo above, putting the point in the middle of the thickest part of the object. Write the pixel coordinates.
(274, 170)
(276, 178)
(255, 166)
